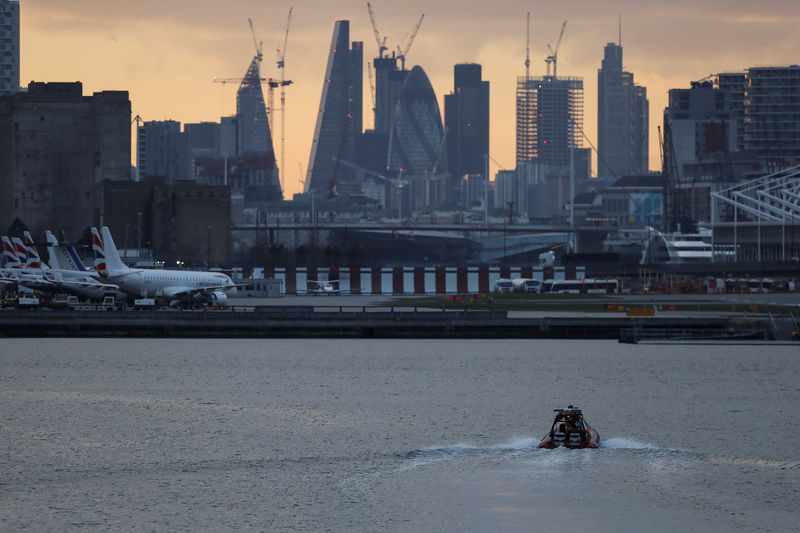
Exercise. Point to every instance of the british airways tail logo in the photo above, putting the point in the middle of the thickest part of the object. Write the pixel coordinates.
(99, 253)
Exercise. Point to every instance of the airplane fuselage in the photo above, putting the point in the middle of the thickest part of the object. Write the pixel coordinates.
(170, 283)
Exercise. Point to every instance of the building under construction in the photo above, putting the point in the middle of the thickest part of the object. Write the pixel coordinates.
(549, 118)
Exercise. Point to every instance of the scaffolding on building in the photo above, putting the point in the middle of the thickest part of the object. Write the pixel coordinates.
(549, 118)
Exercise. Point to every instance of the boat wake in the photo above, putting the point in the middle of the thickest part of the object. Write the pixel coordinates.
(621, 443)
(435, 454)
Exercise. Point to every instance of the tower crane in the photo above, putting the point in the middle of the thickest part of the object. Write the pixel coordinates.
(553, 57)
(381, 42)
(372, 89)
(528, 48)
(403, 52)
(283, 83)
(271, 85)
(256, 43)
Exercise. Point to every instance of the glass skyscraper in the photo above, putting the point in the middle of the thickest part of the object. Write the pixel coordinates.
(623, 113)
(339, 118)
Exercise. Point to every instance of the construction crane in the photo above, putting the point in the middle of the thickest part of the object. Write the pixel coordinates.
(553, 57)
(271, 85)
(258, 45)
(372, 89)
(381, 42)
(528, 47)
(403, 52)
(283, 83)
(139, 121)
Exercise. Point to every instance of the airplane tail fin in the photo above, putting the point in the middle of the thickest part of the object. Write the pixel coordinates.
(59, 258)
(99, 253)
(9, 255)
(113, 261)
(34, 261)
(75, 261)
(19, 250)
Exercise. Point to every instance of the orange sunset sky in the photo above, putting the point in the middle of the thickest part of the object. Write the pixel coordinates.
(166, 53)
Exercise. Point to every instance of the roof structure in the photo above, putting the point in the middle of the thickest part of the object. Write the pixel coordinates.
(771, 198)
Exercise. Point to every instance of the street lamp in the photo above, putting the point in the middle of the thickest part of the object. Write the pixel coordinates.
(208, 246)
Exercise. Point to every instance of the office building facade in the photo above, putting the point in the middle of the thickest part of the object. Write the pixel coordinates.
(339, 118)
(622, 119)
(466, 118)
(9, 47)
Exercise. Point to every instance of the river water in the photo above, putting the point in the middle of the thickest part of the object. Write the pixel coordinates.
(375, 435)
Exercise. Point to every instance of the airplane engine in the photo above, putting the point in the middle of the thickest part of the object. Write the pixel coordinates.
(219, 297)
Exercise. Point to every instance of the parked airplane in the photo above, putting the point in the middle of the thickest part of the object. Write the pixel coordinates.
(178, 286)
(16, 270)
(69, 273)
(325, 287)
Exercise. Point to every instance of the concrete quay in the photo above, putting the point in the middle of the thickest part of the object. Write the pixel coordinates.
(306, 321)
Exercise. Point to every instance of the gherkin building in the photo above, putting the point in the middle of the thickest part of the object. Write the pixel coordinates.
(416, 140)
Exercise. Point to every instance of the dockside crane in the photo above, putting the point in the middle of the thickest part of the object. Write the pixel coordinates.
(403, 52)
(282, 83)
(553, 57)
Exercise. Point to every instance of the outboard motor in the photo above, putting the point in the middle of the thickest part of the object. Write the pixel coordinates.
(558, 438)
(574, 440)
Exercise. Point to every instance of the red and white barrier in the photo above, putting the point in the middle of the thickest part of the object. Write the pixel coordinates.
(412, 280)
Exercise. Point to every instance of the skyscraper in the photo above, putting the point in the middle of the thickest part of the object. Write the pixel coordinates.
(388, 83)
(251, 111)
(415, 143)
(9, 49)
(549, 118)
(622, 119)
(466, 119)
(339, 119)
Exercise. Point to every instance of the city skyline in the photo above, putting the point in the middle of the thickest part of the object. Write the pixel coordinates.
(168, 55)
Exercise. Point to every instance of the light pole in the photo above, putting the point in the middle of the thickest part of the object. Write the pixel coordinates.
(208, 246)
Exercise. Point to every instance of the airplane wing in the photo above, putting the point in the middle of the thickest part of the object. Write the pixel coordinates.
(93, 284)
(177, 292)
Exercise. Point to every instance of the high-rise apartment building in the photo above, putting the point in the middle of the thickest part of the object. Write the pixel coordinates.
(339, 118)
(772, 114)
(734, 86)
(56, 147)
(9, 46)
(549, 118)
(466, 119)
(623, 113)
(163, 150)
